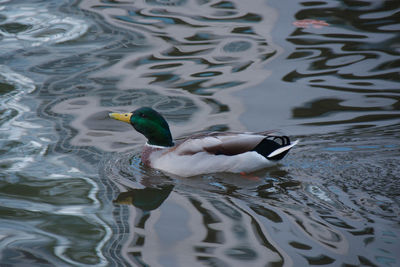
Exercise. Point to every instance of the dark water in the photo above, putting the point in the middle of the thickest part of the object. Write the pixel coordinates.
(74, 193)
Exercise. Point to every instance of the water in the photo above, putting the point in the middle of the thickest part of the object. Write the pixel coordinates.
(74, 193)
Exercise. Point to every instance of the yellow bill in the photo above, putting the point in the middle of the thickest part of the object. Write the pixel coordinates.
(125, 117)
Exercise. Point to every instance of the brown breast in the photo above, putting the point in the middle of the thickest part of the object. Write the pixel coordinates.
(146, 152)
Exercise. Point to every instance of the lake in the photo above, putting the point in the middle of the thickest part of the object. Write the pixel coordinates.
(74, 192)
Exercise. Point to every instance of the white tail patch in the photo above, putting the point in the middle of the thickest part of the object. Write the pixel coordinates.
(282, 149)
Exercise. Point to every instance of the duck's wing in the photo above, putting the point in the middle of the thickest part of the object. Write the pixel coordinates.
(221, 143)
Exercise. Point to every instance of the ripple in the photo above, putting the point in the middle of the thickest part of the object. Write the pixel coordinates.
(29, 25)
(16, 80)
(344, 60)
(372, 101)
(319, 193)
(33, 188)
(242, 253)
(18, 85)
(167, 2)
(221, 50)
(237, 46)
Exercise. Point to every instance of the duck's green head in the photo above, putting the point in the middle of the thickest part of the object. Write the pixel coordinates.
(148, 122)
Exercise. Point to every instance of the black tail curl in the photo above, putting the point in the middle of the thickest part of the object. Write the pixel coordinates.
(270, 144)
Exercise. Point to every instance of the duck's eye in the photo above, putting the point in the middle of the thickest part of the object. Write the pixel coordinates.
(142, 115)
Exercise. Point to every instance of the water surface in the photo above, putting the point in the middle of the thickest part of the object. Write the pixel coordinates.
(74, 193)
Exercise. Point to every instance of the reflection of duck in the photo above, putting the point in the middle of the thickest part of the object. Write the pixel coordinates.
(203, 153)
(145, 199)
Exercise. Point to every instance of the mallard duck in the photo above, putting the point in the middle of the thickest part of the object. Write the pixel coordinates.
(203, 153)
